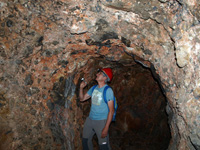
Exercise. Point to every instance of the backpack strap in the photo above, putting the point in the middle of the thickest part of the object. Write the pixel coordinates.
(106, 101)
(104, 94)
(93, 88)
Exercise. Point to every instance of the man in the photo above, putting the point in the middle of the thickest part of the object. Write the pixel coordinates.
(101, 113)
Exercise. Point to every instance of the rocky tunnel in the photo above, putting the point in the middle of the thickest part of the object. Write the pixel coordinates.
(142, 121)
(46, 47)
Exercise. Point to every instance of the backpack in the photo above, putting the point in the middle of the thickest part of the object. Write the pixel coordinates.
(104, 97)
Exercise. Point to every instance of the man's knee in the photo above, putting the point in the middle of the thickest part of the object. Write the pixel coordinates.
(85, 144)
(104, 147)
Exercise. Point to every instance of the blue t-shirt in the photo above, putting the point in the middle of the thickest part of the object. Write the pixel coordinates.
(99, 109)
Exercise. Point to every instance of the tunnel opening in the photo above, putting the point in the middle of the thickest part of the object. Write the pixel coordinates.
(142, 121)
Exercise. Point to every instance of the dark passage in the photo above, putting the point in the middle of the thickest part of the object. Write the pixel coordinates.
(141, 122)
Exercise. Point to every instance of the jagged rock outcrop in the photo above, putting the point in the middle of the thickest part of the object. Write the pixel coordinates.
(47, 46)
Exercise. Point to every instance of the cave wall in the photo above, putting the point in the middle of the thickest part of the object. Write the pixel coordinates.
(45, 46)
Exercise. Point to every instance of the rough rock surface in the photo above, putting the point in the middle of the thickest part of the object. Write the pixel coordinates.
(46, 46)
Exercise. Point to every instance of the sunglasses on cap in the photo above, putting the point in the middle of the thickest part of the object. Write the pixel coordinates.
(100, 70)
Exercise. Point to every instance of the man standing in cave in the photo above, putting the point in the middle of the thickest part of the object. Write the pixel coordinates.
(101, 114)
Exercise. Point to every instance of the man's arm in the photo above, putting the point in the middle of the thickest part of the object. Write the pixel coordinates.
(82, 96)
(109, 119)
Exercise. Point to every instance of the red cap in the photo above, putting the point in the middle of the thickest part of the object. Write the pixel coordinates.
(108, 72)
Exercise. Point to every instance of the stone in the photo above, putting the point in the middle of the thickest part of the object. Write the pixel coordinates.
(163, 1)
(33, 112)
(197, 93)
(28, 51)
(50, 105)
(182, 57)
(126, 42)
(28, 80)
(39, 41)
(9, 23)
(195, 142)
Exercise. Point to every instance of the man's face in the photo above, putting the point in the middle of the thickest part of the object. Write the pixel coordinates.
(101, 76)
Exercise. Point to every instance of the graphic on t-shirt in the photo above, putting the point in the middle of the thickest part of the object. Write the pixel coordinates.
(96, 97)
